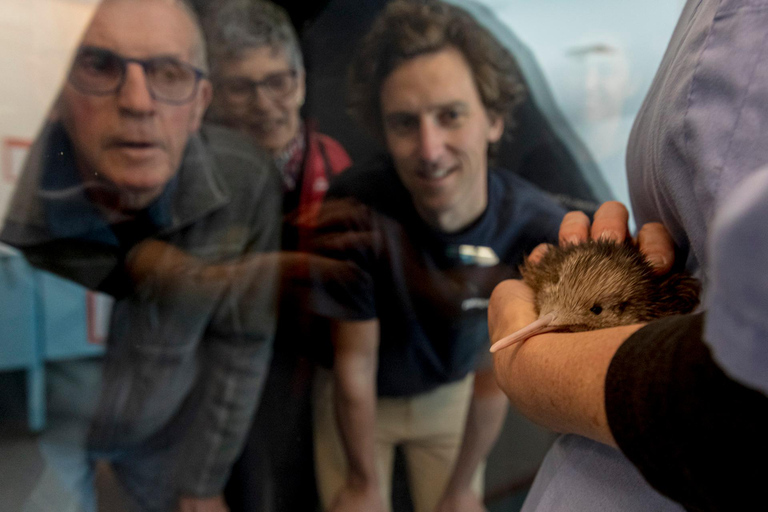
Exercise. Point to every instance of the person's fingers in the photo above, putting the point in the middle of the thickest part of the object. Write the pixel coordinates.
(657, 245)
(574, 229)
(538, 252)
(610, 222)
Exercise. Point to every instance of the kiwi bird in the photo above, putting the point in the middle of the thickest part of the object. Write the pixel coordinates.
(598, 284)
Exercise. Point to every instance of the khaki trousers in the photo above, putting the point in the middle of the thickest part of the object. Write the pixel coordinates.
(429, 427)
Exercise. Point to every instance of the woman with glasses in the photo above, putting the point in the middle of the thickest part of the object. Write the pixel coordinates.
(259, 88)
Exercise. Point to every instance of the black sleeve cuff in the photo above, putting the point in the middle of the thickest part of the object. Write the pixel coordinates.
(696, 435)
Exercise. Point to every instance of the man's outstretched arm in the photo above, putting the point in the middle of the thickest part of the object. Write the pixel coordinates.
(356, 346)
(485, 418)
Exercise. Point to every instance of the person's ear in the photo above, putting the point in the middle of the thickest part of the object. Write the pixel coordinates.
(201, 102)
(301, 79)
(495, 127)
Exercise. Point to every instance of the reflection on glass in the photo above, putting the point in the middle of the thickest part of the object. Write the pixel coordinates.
(125, 192)
(188, 220)
(259, 87)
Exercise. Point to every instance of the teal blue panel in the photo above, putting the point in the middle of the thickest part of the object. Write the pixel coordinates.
(17, 312)
(67, 322)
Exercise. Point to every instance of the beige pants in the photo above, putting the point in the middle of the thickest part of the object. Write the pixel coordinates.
(429, 427)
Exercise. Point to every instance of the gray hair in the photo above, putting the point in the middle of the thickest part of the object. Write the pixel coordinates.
(241, 25)
(198, 52)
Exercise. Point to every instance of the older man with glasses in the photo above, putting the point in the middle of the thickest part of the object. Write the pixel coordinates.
(121, 188)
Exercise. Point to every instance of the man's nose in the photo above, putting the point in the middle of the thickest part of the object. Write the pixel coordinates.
(431, 141)
(134, 96)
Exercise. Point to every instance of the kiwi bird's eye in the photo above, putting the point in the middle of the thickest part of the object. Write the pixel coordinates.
(596, 309)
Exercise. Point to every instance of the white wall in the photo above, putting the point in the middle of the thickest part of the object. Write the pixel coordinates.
(37, 40)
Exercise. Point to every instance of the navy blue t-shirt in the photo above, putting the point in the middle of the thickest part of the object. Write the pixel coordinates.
(428, 289)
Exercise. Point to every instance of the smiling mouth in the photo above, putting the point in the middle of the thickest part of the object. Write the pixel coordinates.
(434, 174)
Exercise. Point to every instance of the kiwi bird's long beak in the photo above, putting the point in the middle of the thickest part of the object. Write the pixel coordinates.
(542, 325)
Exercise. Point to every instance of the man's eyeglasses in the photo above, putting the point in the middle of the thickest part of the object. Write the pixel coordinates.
(100, 72)
(243, 90)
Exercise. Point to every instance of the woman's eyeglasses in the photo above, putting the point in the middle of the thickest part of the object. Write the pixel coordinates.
(243, 90)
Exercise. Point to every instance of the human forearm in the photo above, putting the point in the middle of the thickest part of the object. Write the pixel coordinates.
(693, 432)
(355, 364)
(558, 380)
(356, 417)
(485, 418)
